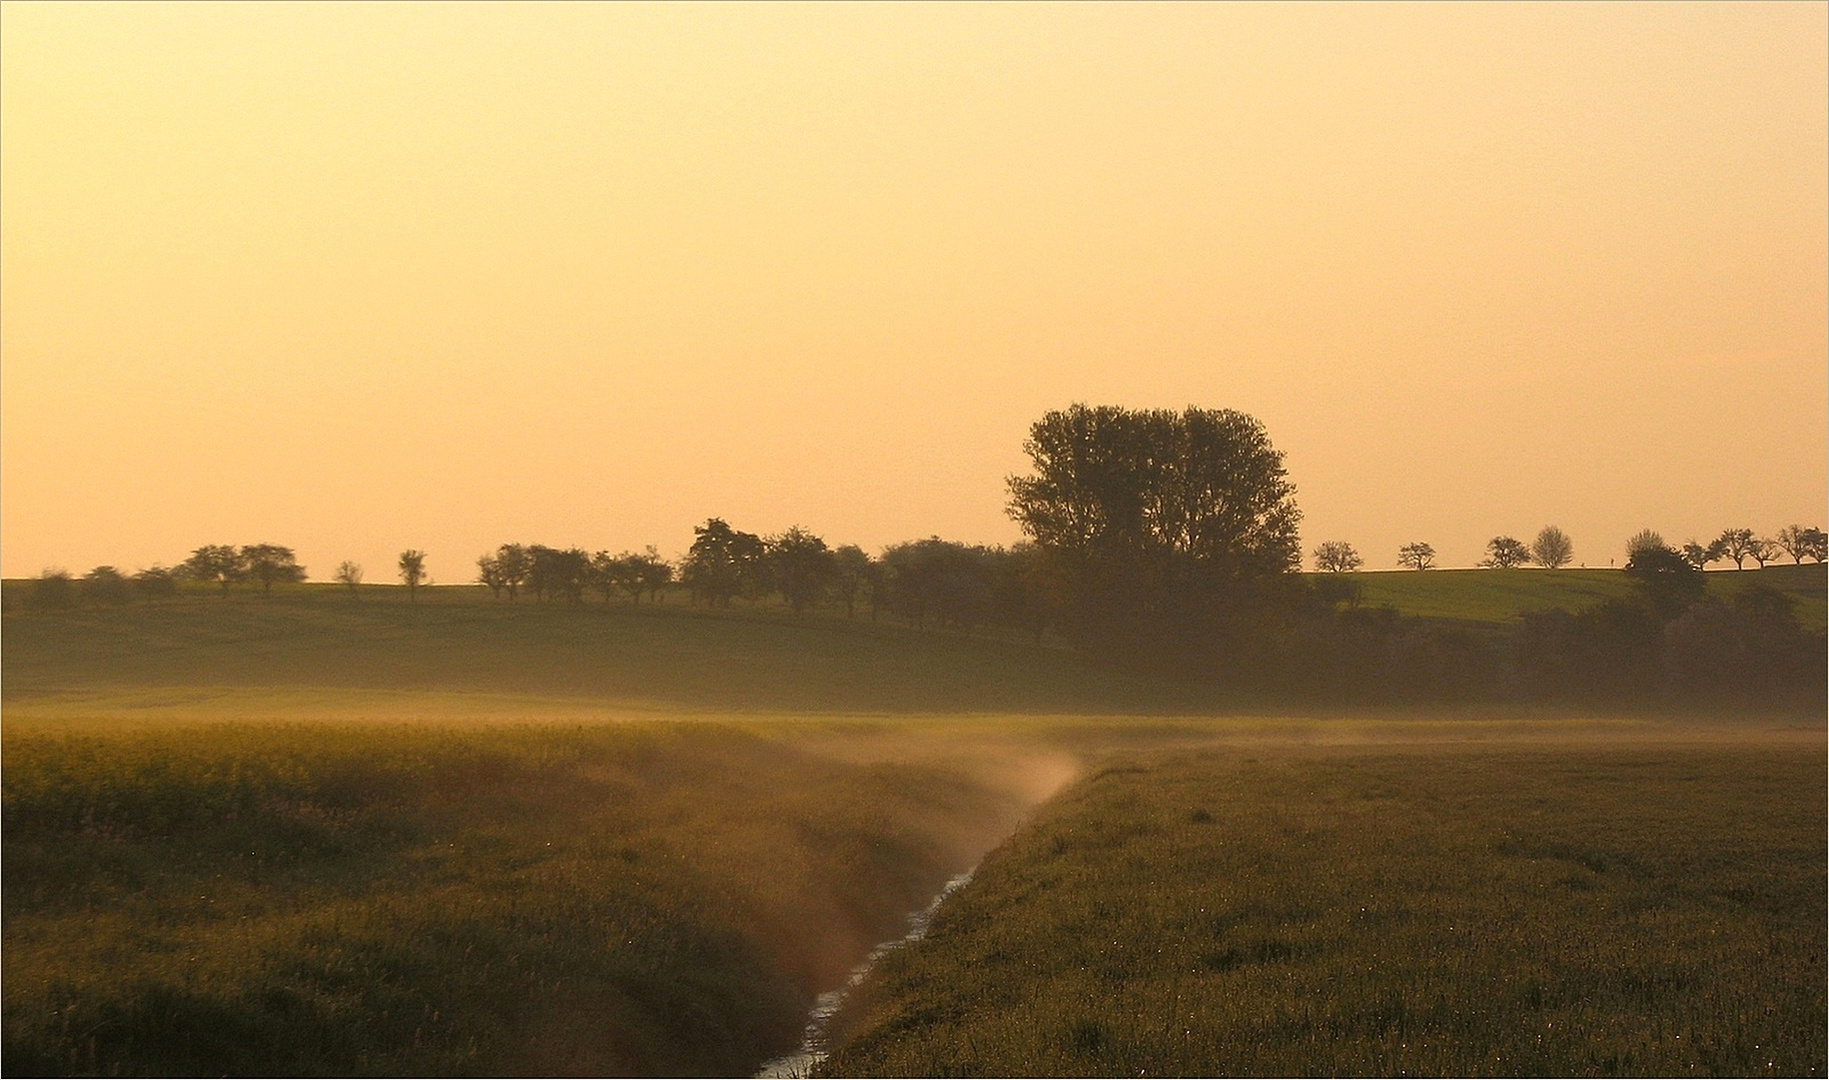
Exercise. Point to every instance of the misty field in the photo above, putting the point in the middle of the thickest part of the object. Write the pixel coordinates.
(309, 898)
(1602, 909)
(321, 834)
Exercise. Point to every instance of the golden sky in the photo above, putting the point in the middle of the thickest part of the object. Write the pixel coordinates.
(359, 278)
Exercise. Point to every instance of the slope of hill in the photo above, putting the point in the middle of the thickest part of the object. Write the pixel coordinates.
(1498, 596)
(671, 656)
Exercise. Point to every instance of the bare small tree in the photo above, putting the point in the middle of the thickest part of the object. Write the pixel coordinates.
(489, 572)
(1504, 553)
(1816, 544)
(1737, 544)
(1698, 556)
(349, 575)
(1795, 541)
(412, 571)
(1417, 556)
(1337, 557)
(1553, 548)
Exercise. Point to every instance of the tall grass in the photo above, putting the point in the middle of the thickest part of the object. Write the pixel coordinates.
(1622, 910)
(320, 899)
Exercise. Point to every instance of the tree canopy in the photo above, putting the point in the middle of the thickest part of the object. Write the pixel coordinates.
(1155, 530)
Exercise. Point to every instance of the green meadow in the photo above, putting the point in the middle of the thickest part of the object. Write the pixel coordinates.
(323, 833)
(1582, 907)
(1498, 596)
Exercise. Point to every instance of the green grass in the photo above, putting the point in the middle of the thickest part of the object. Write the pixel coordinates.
(1499, 596)
(1596, 908)
(458, 640)
(317, 834)
(316, 898)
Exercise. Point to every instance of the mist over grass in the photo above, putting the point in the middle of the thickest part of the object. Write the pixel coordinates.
(274, 899)
(328, 833)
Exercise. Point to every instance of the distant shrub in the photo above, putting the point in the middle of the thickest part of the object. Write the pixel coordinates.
(106, 585)
(53, 590)
(155, 582)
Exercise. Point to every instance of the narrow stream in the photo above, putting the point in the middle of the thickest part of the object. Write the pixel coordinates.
(814, 1047)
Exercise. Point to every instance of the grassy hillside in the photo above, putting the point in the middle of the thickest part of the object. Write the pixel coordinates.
(1576, 910)
(1498, 596)
(669, 656)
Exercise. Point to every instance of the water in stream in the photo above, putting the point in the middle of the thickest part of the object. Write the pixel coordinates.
(814, 1047)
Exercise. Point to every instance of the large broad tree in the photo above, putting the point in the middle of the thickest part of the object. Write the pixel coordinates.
(1504, 553)
(1552, 548)
(722, 563)
(1202, 488)
(219, 563)
(801, 566)
(268, 563)
(1165, 528)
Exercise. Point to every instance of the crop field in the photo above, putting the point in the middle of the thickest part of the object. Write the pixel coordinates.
(1597, 907)
(321, 834)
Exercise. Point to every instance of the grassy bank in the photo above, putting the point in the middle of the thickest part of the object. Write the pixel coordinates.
(1590, 909)
(310, 898)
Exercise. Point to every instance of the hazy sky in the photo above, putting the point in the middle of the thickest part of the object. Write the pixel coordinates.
(359, 278)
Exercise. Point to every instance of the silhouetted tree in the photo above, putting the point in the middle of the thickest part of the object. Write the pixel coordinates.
(1552, 548)
(514, 565)
(155, 582)
(1665, 579)
(850, 574)
(268, 563)
(1698, 556)
(558, 572)
(655, 572)
(412, 571)
(801, 566)
(53, 589)
(489, 572)
(106, 585)
(218, 563)
(349, 575)
(1026, 588)
(1795, 542)
(722, 562)
(1816, 544)
(1737, 544)
(1166, 530)
(1337, 557)
(1763, 551)
(1644, 540)
(938, 579)
(1504, 553)
(1417, 556)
